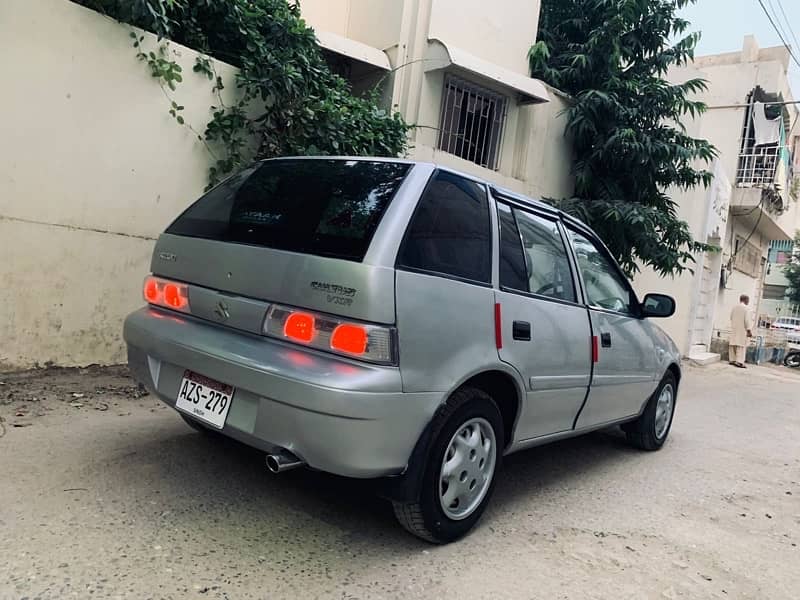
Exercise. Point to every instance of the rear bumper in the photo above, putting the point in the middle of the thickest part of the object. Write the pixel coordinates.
(337, 415)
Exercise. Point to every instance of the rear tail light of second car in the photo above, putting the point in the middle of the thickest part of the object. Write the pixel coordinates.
(167, 294)
(371, 343)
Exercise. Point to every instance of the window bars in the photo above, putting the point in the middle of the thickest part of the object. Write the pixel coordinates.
(472, 122)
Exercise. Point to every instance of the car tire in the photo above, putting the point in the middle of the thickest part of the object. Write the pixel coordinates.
(468, 442)
(651, 429)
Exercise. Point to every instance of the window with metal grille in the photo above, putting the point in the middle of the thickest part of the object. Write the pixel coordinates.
(472, 122)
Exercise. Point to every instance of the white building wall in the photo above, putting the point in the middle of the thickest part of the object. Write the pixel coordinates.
(499, 33)
(92, 168)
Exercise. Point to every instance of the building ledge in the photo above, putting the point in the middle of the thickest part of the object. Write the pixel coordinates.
(441, 55)
(748, 206)
(352, 49)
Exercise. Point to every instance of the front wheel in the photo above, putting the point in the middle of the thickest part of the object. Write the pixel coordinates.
(650, 430)
(792, 359)
(460, 474)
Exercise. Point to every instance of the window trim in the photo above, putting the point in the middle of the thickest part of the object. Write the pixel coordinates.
(400, 267)
(636, 305)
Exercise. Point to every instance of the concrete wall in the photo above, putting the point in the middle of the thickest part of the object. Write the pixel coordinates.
(92, 168)
(501, 35)
(328, 15)
(373, 22)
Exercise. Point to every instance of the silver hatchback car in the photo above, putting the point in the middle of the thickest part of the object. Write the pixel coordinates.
(398, 321)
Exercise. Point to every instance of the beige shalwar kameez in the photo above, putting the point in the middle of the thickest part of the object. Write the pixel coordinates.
(740, 326)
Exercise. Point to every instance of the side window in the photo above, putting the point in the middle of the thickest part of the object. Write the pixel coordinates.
(450, 232)
(605, 287)
(532, 255)
(513, 268)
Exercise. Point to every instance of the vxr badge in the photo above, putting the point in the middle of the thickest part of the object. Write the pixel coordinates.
(222, 311)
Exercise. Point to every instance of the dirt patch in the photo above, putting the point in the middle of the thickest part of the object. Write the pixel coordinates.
(30, 394)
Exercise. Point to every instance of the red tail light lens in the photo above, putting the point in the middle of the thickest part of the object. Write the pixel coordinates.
(348, 338)
(367, 342)
(299, 326)
(151, 291)
(173, 297)
(168, 294)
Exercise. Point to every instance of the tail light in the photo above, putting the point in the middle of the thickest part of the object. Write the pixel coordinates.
(371, 343)
(167, 294)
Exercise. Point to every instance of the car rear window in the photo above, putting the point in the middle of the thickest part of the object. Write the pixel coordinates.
(324, 207)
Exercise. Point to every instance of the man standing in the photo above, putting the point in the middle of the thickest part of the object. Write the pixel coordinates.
(740, 330)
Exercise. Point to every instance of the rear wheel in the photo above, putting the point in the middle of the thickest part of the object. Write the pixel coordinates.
(792, 359)
(460, 473)
(650, 430)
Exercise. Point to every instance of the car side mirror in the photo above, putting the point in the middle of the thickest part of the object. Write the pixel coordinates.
(658, 306)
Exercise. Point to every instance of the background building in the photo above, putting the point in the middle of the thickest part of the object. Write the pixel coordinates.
(751, 120)
(458, 70)
(775, 296)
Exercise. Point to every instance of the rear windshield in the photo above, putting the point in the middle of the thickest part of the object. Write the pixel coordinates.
(325, 207)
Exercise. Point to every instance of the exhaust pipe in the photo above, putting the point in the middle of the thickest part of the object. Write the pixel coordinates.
(283, 460)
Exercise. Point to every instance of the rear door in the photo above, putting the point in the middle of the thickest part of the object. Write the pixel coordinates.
(624, 371)
(445, 300)
(545, 331)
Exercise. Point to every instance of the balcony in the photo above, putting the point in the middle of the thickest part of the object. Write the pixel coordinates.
(764, 210)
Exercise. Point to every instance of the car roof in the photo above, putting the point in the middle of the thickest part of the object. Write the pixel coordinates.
(499, 190)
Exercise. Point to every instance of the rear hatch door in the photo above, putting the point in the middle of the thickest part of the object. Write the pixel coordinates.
(291, 231)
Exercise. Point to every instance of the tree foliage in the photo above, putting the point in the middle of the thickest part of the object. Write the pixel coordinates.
(792, 272)
(290, 102)
(631, 150)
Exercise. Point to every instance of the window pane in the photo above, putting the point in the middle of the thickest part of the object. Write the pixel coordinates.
(548, 265)
(326, 207)
(472, 122)
(605, 287)
(451, 233)
(513, 270)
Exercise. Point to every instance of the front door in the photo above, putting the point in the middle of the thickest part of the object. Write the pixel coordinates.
(624, 371)
(545, 331)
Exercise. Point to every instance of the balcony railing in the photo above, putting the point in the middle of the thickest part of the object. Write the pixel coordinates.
(758, 166)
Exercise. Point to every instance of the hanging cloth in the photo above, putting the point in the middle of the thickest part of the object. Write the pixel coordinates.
(768, 131)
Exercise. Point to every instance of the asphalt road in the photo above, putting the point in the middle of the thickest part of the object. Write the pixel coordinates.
(104, 495)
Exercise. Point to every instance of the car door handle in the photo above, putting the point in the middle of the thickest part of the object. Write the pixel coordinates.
(521, 330)
(605, 340)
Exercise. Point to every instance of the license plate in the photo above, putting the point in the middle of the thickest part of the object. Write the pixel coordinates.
(205, 399)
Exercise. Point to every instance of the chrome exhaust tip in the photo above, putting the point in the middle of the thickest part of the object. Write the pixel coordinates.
(283, 461)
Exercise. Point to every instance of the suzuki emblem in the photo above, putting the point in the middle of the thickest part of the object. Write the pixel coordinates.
(222, 311)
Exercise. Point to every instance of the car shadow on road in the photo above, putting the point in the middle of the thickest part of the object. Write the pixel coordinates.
(196, 470)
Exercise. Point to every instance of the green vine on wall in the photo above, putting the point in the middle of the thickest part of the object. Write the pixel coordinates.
(288, 101)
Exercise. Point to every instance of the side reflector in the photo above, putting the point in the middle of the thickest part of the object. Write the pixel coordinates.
(595, 350)
(498, 326)
(349, 338)
(299, 326)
